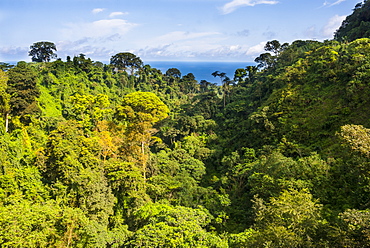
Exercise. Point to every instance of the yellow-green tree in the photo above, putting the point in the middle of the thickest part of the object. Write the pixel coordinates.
(139, 112)
(89, 109)
(4, 98)
(291, 220)
(161, 225)
(357, 138)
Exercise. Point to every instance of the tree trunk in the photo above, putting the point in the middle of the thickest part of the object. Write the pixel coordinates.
(6, 122)
(144, 160)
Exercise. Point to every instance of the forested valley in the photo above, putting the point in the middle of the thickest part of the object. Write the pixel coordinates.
(124, 155)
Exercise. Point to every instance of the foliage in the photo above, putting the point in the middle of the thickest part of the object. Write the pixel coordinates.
(354, 228)
(355, 25)
(276, 157)
(23, 91)
(166, 226)
(4, 96)
(125, 61)
(357, 137)
(42, 51)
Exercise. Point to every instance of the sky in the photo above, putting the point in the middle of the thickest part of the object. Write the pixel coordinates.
(165, 30)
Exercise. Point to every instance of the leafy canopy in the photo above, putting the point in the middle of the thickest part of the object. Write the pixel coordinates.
(126, 61)
(356, 25)
(42, 51)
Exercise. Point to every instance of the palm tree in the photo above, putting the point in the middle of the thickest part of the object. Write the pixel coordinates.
(225, 82)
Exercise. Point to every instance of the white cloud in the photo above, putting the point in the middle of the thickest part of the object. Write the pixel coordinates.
(269, 35)
(330, 4)
(14, 53)
(97, 10)
(333, 24)
(182, 36)
(101, 28)
(337, 2)
(114, 14)
(243, 33)
(98, 39)
(85, 46)
(201, 49)
(257, 49)
(325, 32)
(175, 46)
(235, 4)
(311, 33)
(200, 45)
(186, 51)
(179, 45)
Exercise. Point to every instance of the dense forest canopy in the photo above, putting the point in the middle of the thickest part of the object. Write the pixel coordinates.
(356, 25)
(124, 155)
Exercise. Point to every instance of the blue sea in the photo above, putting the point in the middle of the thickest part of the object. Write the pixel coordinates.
(201, 70)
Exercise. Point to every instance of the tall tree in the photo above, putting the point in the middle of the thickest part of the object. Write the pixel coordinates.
(126, 61)
(23, 90)
(140, 111)
(167, 226)
(292, 219)
(42, 51)
(188, 83)
(240, 74)
(275, 47)
(204, 85)
(225, 83)
(4, 98)
(173, 72)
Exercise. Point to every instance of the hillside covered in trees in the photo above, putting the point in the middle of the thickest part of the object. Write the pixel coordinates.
(124, 155)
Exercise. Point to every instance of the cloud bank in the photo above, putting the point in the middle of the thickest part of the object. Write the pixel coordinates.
(97, 10)
(105, 27)
(326, 3)
(114, 14)
(235, 4)
(332, 26)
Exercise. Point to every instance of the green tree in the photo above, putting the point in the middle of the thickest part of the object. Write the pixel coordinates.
(126, 61)
(82, 63)
(176, 173)
(291, 220)
(42, 51)
(89, 109)
(173, 72)
(173, 76)
(265, 60)
(5, 66)
(240, 74)
(357, 137)
(166, 226)
(4, 98)
(356, 25)
(188, 84)
(205, 86)
(275, 47)
(353, 229)
(225, 82)
(352, 166)
(140, 111)
(72, 166)
(23, 91)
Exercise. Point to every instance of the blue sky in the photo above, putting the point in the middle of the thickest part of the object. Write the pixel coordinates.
(165, 30)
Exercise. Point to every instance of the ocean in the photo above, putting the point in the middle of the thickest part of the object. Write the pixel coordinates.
(201, 70)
